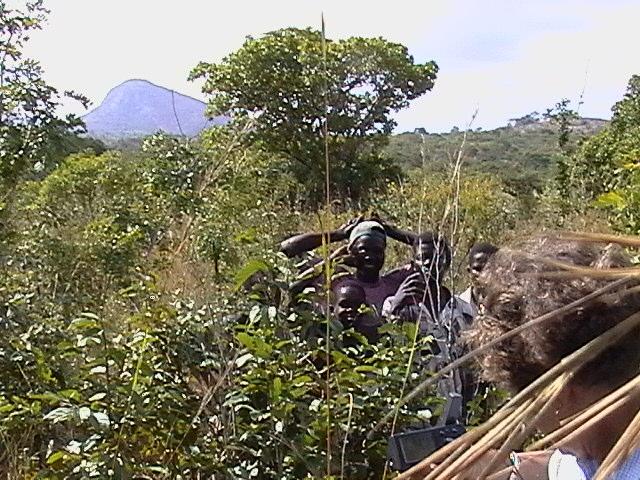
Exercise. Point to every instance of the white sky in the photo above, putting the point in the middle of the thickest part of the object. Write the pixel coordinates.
(504, 57)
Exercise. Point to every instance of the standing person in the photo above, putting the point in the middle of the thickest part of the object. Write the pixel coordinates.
(351, 309)
(365, 253)
(479, 255)
(431, 260)
(422, 293)
(423, 298)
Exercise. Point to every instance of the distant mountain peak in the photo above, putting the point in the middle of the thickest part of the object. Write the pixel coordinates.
(137, 107)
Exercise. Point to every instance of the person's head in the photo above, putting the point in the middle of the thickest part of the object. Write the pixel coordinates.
(432, 254)
(517, 287)
(348, 301)
(479, 255)
(367, 244)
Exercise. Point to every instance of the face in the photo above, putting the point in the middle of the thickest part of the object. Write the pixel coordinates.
(368, 253)
(477, 262)
(428, 259)
(348, 303)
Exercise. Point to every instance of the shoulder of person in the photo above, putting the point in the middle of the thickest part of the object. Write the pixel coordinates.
(564, 466)
(399, 273)
(630, 468)
(465, 296)
(458, 311)
(464, 307)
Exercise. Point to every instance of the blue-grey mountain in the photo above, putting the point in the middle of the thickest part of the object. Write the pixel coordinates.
(137, 108)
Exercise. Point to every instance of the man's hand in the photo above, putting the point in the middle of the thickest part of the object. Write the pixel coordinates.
(344, 230)
(532, 466)
(343, 256)
(410, 291)
(386, 225)
(394, 232)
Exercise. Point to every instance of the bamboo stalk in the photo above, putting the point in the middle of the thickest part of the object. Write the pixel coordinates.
(624, 240)
(484, 444)
(538, 408)
(449, 450)
(621, 450)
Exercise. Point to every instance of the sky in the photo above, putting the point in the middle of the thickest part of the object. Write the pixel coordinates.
(499, 58)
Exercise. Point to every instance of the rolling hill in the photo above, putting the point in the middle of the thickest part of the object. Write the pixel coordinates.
(136, 108)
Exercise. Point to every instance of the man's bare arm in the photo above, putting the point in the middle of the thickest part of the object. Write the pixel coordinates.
(305, 242)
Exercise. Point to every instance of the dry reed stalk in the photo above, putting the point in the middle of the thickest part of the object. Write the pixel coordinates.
(568, 270)
(623, 240)
(449, 460)
(450, 451)
(453, 450)
(530, 418)
(516, 428)
(581, 356)
(621, 450)
(587, 417)
(481, 448)
(465, 440)
(567, 366)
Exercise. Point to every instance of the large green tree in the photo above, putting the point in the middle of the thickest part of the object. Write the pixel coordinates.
(604, 162)
(604, 170)
(607, 167)
(288, 84)
(31, 132)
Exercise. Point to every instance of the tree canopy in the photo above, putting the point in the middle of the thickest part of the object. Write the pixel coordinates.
(287, 82)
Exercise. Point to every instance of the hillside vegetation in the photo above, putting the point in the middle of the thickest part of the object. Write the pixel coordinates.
(523, 157)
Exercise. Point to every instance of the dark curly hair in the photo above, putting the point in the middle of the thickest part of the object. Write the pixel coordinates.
(514, 289)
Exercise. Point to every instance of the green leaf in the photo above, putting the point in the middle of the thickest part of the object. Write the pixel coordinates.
(248, 236)
(241, 360)
(246, 340)
(82, 323)
(49, 397)
(98, 396)
(301, 380)
(277, 388)
(262, 348)
(611, 200)
(250, 268)
(98, 369)
(84, 413)
(55, 456)
(101, 420)
(70, 394)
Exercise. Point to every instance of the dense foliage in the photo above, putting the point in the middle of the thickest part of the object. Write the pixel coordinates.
(132, 346)
(604, 168)
(29, 126)
(146, 325)
(523, 156)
